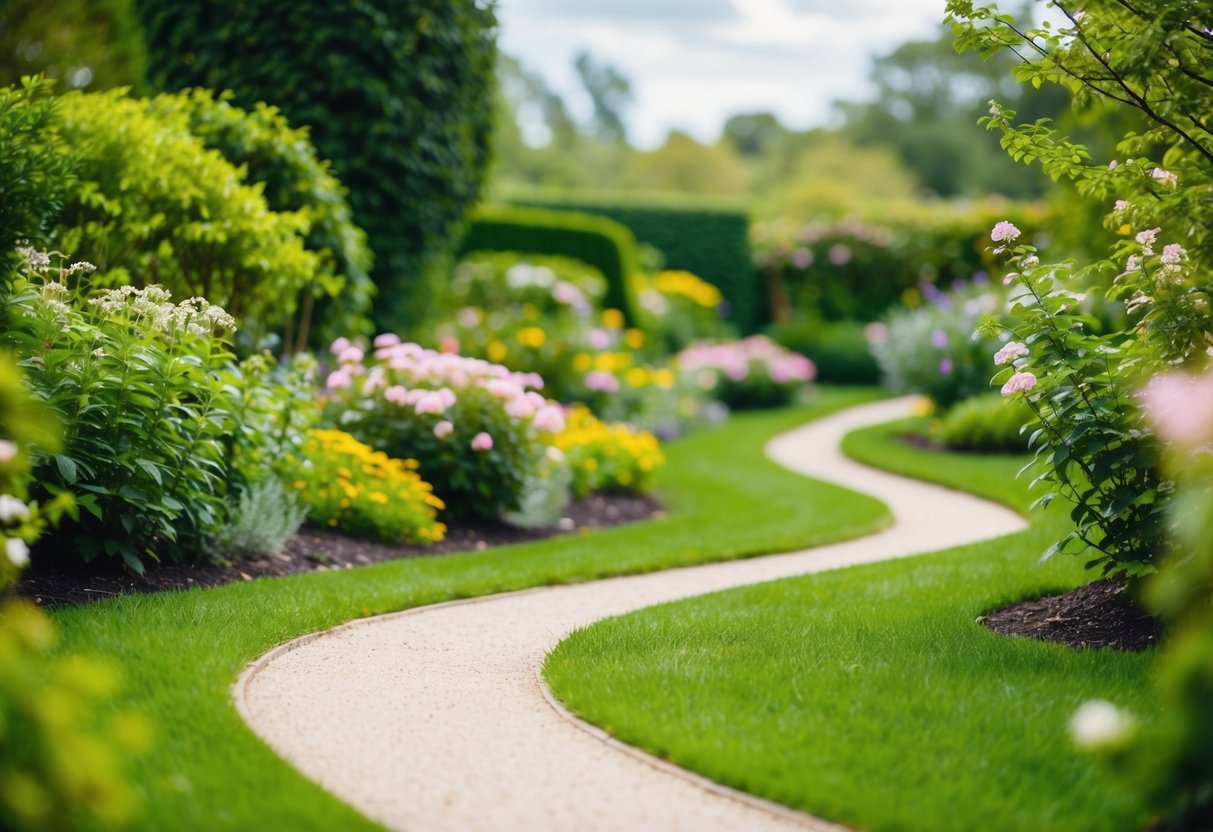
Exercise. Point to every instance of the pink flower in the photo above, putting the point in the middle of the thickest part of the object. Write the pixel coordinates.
(1165, 177)
(449, 346)
(945, 367)
(447, 395)
(1009, 353)
(338, 379)
(839, 254)
(8, 450)
(396, 394)
(549, 419)
(600, 339)
(554, 455)
(339, 346)
(429, 403)
(519, 408)
(1004, 232)
(350, 355)
(387, 339)
(802, 258)
(1173, 254)
(482, 442)
(1018, 383)
(603, 382)
(443, 429)
(876, 333)
(1181, 408)
(1147, 238)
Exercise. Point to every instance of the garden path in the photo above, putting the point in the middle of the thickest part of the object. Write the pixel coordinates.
(436, 718)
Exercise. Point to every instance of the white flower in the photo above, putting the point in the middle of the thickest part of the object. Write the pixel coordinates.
(8, 450)
(1165, 177)
(1098, 724)
(17, 551)
(12, 509)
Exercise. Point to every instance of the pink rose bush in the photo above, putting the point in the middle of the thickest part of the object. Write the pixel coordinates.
(476, 429)
(750, 373)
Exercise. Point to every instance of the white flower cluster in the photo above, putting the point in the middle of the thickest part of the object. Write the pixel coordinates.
(153, 307)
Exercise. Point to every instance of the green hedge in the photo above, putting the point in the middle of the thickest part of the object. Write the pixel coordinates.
(711, 240)
(602, 243)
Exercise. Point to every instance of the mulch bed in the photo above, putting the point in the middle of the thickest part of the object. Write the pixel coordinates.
(316, 550)
(1100, 614)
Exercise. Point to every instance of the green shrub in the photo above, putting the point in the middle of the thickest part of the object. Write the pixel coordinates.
(398, 95)
(711, 241)
(604, 244)
(62, 765)
(840, 350)
(35, 170)
(985, 424)
(133, 378)
(295, 179)
(153, 206)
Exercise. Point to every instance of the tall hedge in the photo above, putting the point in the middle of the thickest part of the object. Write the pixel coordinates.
(602, 243)
(397, 93)
(710, 240)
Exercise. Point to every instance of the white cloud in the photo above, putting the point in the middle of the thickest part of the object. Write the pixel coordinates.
(692, 71)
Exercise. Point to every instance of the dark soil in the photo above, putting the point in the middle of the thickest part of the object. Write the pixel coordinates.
(316, 550)
(1100, 614)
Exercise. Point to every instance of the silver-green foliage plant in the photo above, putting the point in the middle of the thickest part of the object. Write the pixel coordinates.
(154, 206)
(1092, 446)
(134, 380)
(260, 522)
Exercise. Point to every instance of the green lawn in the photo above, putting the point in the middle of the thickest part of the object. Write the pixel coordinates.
(181, 652)
(870, 695)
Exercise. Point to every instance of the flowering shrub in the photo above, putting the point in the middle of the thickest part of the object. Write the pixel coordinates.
(754, 372)
(839, 350)
(473, 425)
(133, 379)
(679, 308)
(350, 486)
(607, 457)
(931, 349)
(852, 269)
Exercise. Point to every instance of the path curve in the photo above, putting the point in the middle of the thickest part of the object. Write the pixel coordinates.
(435, 718)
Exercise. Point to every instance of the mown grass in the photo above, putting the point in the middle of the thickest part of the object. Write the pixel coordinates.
(181, 652)
(870, 695)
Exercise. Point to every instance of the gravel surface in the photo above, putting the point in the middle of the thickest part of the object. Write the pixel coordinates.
(436, 718)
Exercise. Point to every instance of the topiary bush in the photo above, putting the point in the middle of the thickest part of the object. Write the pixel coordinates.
(338, 299)
(35, 169)
(712, 241)
(154, 206)
(602, 243)
(400, 96)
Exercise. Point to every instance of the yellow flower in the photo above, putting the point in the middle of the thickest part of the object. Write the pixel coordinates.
(639, 376)
(496, 351)
(531, 336)
(581, 362)
(1124, 230)
(634, 338)
(664, 378)
(612, 318)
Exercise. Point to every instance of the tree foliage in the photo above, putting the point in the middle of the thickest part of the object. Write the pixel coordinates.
(399, 95)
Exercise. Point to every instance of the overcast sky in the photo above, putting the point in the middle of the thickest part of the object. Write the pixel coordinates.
(693, 63)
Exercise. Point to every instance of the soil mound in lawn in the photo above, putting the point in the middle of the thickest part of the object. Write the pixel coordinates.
(1100, 614)
(313, 550)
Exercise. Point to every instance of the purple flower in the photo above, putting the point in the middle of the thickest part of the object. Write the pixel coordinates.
(939, 339)
(945, 367)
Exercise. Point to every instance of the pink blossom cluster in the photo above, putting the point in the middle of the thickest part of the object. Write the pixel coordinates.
(429, 382)
(1181, 408)
(1018, 383)
(736, 359)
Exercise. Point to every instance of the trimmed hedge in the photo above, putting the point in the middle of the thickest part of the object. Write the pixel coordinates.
(711, 240)
(399, 95)
(602, 243)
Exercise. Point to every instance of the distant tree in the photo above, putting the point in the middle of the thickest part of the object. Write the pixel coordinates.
(753, 134)
(683, 164)
(610, 93)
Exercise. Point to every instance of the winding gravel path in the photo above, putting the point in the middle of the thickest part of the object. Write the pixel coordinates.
(436, 719)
